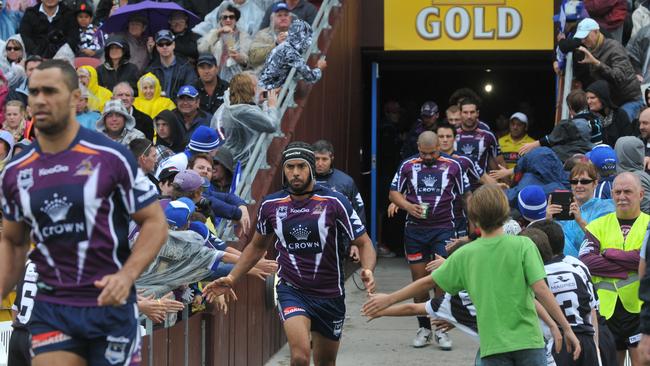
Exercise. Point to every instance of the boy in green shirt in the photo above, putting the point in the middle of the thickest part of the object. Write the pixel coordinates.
(500, 273)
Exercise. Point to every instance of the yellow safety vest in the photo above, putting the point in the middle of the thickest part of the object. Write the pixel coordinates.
(608, 231)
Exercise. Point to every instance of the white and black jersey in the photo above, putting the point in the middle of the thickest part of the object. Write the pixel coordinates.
(456, 309)
(577, 263)
(570, 286)
(25, 295)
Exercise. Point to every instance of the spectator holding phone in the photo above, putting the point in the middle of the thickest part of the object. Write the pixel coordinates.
(584, 208)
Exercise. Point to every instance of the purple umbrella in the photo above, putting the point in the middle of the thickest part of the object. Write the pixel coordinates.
(156, 13)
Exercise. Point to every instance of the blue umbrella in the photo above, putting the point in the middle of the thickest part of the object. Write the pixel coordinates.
(156, 13)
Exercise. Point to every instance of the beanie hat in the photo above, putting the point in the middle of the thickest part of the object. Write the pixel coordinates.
(302, 151)
(532, 203)
(604, 158)
(178, 214)
(601, 89)
(205, 139)
(200, 228)
(83, 7)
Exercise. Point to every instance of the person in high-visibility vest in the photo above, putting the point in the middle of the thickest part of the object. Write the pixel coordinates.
(611, 252)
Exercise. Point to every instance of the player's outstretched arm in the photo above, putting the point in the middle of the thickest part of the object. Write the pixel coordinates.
(14, 245)
(380, 302)
(153, 234)
(546, 298)
(249, 257)
(401, 310)
(368, 259)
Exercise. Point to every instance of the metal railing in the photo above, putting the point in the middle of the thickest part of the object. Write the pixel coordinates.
(257, 159)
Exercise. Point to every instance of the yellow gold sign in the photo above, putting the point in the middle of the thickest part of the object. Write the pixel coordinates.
(468, 25)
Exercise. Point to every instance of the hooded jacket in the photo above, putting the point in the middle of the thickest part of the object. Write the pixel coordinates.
(288, 55)
(155, 105)
(108, 76)
(129, 132)
(44, 38)
(14, 72)
(17, 38)
(630, 153)
(614, 122)
(97, 95)
(176, 132)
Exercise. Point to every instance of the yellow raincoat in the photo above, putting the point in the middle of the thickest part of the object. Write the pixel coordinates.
(155, 105)
(97, 95)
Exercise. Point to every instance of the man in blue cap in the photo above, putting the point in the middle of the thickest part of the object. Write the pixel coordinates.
(188, 111)
(172, 71)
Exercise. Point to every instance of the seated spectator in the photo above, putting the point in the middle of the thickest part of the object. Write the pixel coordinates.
(607, 61)
(46, 27)
(615, 122)
(630, 153)
(211, 88)
(604, 159)
(574, 135)
(265, 40)
(427, 122)
(116, 67)
(124, 92)
(118, 124)
(91, 39)
(302, 9)
(149, 101)
(173, 72)
(243, 121)
(610, 16)
(249, 20)
(531, 202)
(15, 115)
(85, 116)
(222, 170)
(188, 111)
(97, 95)
(512, 142)
(14, 50)
(185, 39)
(585, 207)
(6, 148)
(227, 43)
(20, 93)
(169, 131)
(146, 156)
(288, 55)
(139, 48)
(165, 183)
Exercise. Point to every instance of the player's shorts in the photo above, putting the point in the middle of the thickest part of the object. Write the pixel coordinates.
(625, 327)
(460, 227)
(588, 355)
(19, 342)
(420, 244)
(326, 314)
(103, 335)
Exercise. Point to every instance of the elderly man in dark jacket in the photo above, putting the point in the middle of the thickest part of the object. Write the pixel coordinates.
(607, 60)
(47, 26)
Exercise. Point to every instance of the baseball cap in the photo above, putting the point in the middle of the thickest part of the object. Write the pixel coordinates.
(178, 213)
(187, 90)
(279, 7)
(165, 35)
(520, 116)
(429, 109)
(603, 157)
(188, 180)
(584, 27)
(531, 202)
(167, 173)
(206, 58)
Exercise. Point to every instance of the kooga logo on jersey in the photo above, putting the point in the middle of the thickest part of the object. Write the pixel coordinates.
(53, 170)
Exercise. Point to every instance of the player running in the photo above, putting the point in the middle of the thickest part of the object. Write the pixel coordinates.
(76, 191)
(306, 218)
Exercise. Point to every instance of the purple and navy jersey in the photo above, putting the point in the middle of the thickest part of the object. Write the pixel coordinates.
(439, 185)
(77, 204)
(470, 176)
(479, 145)
(310, 257)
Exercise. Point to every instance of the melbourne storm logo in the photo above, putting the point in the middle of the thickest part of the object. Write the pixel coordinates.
(467, 149)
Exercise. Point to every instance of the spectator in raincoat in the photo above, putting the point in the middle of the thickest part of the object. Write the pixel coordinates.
(117, 124)
(97, 95)
(149, 101)
(289, 54)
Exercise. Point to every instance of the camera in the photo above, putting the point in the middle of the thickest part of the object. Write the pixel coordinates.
(571, 45)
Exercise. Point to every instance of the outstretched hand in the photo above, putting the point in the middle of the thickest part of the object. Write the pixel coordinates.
(220, 286)
(368, 280)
